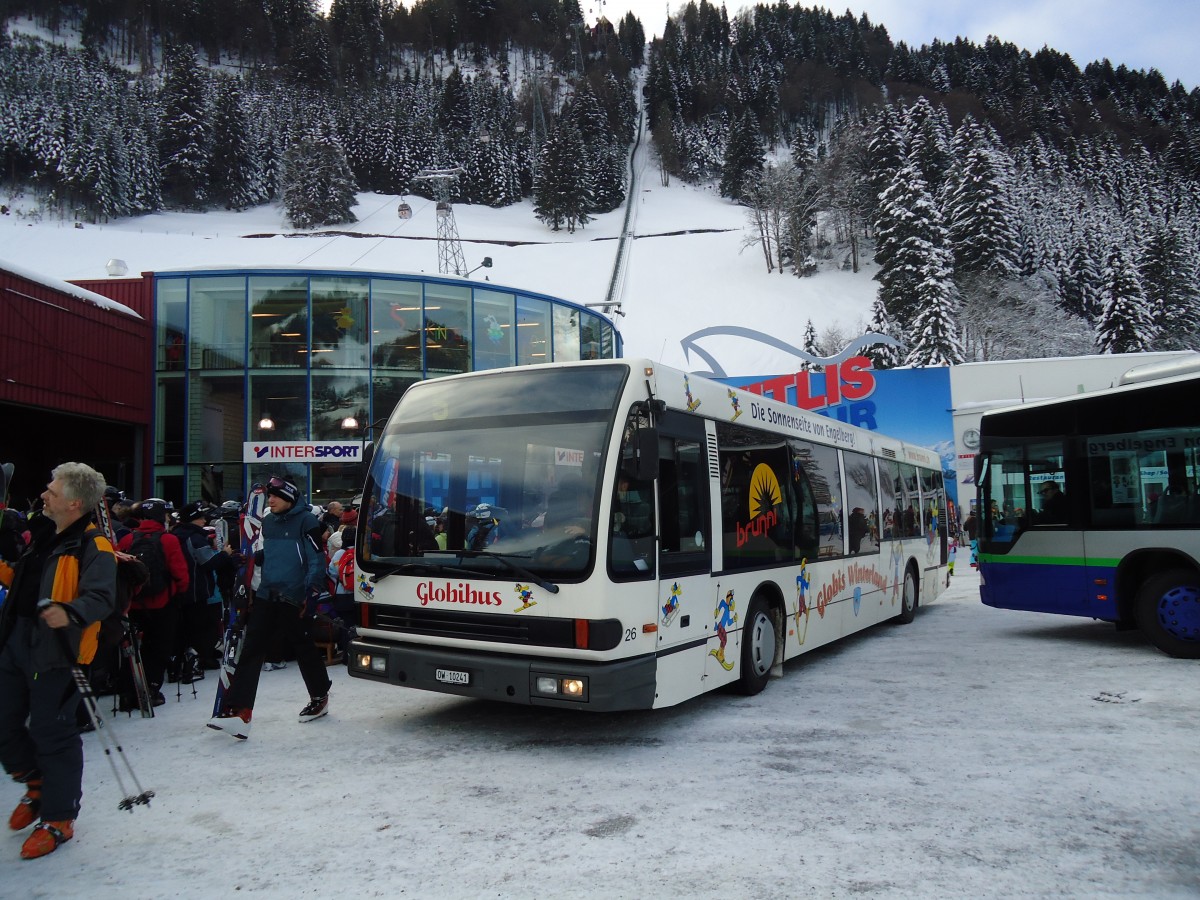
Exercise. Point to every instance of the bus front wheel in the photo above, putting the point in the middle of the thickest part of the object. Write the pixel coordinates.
(758, 648)
(1168, 612)
(908, 599)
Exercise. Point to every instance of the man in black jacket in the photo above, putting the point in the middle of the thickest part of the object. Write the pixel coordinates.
(70, 562)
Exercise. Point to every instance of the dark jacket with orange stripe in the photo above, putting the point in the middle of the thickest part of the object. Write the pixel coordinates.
(81, 571)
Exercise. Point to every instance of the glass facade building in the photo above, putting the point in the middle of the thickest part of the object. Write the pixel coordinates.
(305, 355)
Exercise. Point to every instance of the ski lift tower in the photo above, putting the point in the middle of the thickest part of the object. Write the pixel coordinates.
(450, 252)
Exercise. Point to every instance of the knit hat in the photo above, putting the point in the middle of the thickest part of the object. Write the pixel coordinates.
(350, 517)
(283, 489)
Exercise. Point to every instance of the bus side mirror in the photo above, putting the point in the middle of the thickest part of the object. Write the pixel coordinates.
(368, 453)
(642, 465)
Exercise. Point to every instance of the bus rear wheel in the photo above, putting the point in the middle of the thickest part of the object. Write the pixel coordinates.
(758, 648)
(908, 599)
(1168, 612)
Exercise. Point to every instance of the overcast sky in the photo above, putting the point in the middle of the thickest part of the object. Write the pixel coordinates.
(1142, 34)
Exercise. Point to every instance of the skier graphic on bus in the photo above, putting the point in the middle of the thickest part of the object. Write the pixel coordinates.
(733, 401)
(726, 618)
(526, 597)
(671, 608)
(692, 403)
(802, 600)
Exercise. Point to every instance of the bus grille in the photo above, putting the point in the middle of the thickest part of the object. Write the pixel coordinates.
(601, 634)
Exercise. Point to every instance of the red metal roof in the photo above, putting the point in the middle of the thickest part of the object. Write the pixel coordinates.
(60, 352)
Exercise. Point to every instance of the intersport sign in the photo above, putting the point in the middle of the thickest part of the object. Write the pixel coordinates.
(302, 451)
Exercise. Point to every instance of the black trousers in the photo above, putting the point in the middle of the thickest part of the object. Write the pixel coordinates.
(37, 725)
(269, 618)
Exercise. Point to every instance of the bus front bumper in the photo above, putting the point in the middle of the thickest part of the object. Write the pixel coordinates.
(570, 684)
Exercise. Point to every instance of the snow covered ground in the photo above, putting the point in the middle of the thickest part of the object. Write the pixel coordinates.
(974, 753)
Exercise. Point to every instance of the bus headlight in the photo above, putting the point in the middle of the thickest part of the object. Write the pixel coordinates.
(564, 687)
(370, 663)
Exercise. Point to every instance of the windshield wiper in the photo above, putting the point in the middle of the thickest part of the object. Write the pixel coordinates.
(506, 561)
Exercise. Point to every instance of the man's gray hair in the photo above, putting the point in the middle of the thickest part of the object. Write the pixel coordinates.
(80, 482)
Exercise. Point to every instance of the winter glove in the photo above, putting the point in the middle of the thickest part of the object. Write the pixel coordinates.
(310, 603)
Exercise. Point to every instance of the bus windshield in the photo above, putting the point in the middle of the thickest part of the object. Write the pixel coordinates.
(492, 476)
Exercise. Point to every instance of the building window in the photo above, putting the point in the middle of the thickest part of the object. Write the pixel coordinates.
(339, 323)
(447, 329)
(216, 417)
(171, 321)
(566, 334)
(217, 323)
(397, 321)
(337, 397)
(170, 425)
(533, 331)
(494, 330)
(386, 391)
(278, 407)
(278, 321)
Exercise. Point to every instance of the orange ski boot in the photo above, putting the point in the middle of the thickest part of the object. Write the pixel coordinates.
(46, 838)
(27, 810)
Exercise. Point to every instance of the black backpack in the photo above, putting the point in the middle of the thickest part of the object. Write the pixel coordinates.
(147, 547)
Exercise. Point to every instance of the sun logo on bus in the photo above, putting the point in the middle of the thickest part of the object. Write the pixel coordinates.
(764, 491)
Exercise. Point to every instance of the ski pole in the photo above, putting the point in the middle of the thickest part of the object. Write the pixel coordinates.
(129, 801)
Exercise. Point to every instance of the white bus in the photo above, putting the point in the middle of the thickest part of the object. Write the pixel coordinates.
(621, 535)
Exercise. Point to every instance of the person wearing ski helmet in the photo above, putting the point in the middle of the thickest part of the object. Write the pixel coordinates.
(199, 621)
(70, 562)
(292, 567)
(154, 610)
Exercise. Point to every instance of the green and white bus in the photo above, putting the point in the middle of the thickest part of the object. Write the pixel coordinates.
(616, 534)
(1090, 506)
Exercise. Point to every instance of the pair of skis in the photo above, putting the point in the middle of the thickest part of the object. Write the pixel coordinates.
(235, 608)
(131, 648)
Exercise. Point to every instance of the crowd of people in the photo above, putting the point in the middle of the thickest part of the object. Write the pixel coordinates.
(71, 598)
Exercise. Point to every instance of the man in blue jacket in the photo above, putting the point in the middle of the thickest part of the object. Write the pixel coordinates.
(292, 569)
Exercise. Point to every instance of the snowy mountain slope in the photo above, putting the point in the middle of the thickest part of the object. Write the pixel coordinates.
(687, 268)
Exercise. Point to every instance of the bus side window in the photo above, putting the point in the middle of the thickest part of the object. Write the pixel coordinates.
(683, 499)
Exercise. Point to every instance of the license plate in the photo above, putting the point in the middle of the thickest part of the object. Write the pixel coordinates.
(449, 676)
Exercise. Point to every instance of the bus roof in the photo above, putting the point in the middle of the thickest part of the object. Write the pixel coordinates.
(1173, 405)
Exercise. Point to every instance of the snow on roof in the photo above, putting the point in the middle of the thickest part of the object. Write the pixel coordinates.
(65, 287)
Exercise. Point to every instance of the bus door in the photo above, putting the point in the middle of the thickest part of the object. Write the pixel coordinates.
(685, 601)
(1030, 540)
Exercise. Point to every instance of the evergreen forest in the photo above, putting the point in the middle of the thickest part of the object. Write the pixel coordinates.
(1016, 204)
